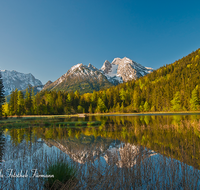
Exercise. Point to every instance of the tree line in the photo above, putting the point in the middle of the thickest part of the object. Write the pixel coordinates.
(174, 87)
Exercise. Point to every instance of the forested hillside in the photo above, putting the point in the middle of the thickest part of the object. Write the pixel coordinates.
(174, 87)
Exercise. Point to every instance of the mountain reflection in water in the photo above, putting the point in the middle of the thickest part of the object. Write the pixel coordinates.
(123, 155)
(167, 145)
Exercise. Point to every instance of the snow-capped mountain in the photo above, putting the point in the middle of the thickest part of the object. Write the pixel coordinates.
(14, 79)
(81, 77)
(124, 70)
(88, 78)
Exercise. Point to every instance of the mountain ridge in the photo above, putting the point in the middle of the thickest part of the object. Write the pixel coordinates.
(110, 74)
(173, 87)
(125, 68)
(79, 77)
(16, 80)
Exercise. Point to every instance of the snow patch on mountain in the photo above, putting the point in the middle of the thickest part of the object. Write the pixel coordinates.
(119, 71)
(113, 71)
(15, 80)
(79, 73)
(75, 67)
(124, 70)
(90, 66)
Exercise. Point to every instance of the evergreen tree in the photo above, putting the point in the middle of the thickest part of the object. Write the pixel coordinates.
(28, 100)
(194, 101)
(146, 106)
(2, 97)
(170, 87)
(20, 103)
(122, 94)
(100, 106)
(122, 107)
(135, 100)
(90, 109)
(176, 102)
(11, 103)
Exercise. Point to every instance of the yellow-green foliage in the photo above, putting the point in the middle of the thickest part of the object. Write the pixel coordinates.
(158, 89)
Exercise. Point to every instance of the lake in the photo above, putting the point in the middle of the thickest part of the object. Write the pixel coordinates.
(109, 152)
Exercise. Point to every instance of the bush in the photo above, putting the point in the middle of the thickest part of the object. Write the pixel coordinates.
(62, 171)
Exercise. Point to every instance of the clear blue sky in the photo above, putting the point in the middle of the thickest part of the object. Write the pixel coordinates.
(47, 37)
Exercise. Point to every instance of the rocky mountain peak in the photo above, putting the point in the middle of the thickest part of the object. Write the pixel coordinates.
(90, 66)
(124, 70)
(81, 77)
(13, 79)
(76, 66)
(47, 84)
(116, 61)
(106, 66)
(124, 61)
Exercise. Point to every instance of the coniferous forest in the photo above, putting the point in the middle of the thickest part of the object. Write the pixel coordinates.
(173, 87)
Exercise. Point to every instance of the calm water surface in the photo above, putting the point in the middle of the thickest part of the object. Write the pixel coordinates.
(28, 146)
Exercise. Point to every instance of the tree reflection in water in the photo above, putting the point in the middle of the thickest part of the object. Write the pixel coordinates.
(123, 152)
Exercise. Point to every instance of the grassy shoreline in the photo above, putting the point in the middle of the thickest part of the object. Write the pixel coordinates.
(113, 114)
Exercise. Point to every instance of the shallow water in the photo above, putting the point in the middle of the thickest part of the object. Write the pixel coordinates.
(167, 144)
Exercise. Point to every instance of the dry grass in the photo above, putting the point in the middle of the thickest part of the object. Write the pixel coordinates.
(108, 114)
(130, 167)
(127, 167)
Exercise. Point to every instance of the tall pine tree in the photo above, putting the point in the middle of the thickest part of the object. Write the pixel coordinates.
(2, 97)
(194, 101)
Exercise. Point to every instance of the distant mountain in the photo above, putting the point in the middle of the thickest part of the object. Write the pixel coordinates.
(14, 79)
(81, 77)
(124, 70)
(47, 84)
(88, 78)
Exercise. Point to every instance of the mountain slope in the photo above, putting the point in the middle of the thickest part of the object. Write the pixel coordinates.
(88, 78)
(14, 79)
(173, 87)
(124, 70)
(80, 77)
(47, 84)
